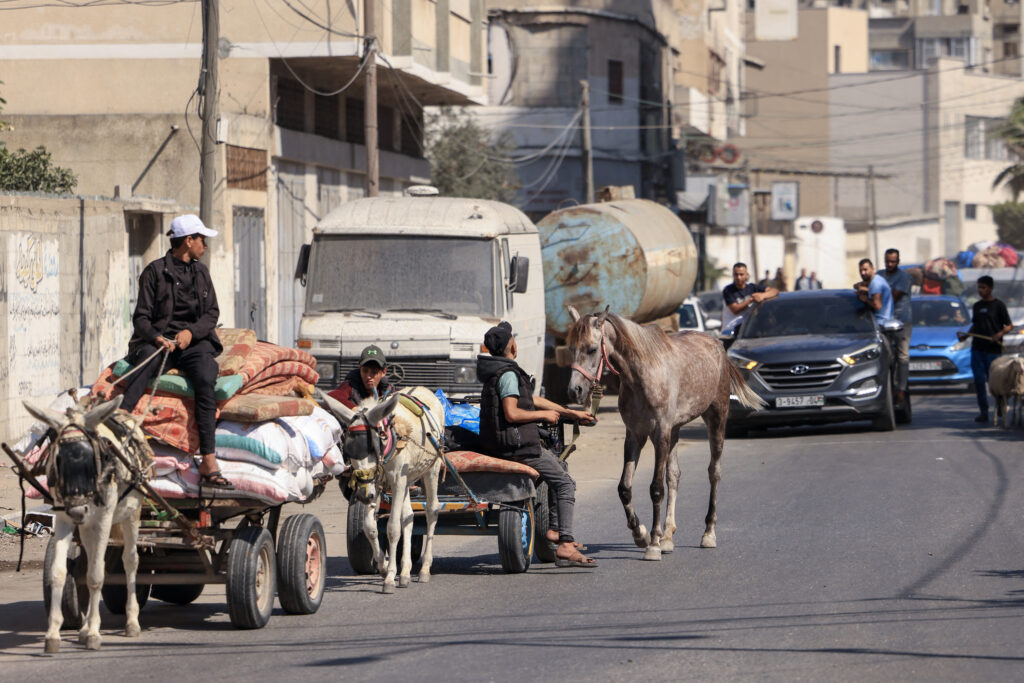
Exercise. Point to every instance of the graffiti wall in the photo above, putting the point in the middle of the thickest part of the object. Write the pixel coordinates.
(33, 315)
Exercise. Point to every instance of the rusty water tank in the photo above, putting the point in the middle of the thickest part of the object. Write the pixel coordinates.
(633, 255)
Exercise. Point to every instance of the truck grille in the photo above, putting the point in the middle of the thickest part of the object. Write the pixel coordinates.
(818, 375)
(431, 373)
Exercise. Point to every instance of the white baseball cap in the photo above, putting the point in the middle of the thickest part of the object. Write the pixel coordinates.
(189, 224)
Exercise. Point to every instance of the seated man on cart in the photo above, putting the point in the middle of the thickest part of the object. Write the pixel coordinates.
(367, 380)
(509, 413)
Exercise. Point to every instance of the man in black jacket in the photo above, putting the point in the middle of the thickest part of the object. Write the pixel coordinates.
(177, 310)
(509, 413)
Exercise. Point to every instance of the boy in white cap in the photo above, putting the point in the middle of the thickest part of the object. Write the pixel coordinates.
(177, 310)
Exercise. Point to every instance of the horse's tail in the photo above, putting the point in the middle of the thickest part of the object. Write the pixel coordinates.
(741, 390)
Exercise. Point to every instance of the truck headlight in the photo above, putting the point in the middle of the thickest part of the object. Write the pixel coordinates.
(465, 373)
(860, 355)
(326, 371)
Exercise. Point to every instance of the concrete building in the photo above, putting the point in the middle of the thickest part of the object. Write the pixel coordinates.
(111, 91)
(905, 158)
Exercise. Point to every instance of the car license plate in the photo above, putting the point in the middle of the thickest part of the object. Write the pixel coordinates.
(799, 401)
(925, 365)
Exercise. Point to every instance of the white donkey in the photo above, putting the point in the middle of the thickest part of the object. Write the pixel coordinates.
(392, 456)
(92, 491)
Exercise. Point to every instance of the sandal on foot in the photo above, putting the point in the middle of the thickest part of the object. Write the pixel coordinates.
(215, 480)
(577, 560)
(576, 544)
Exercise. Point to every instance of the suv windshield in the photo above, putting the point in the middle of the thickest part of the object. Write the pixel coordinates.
(381, 273)
(931, 313)
(782, 317)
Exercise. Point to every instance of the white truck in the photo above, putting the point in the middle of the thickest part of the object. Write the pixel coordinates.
(423, 278)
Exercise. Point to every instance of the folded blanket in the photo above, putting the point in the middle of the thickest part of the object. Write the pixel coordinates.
(259, 408)
(265, 354)
(225, 388)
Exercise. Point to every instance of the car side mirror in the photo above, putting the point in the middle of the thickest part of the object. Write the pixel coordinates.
(713, 324)
(892, 325)
(302, 265)
(518, 274)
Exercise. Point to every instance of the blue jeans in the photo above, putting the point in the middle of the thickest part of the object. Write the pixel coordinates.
(980, 363)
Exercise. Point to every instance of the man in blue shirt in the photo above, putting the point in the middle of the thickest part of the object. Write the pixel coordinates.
(899, 283)
(874, 291)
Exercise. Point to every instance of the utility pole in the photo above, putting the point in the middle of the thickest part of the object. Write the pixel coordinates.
(871, 208)
(208, 91)
(753, 208)
(370, 100)
(588, 156)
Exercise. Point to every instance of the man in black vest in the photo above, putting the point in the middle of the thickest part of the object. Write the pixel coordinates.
(509, 413)
(177, 310)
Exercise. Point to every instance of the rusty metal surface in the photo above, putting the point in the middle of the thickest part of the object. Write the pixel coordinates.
(633, 255)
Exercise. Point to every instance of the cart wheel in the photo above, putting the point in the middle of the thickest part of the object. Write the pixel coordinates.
(252, 577)
(360, 554)
(116, 597)
(301, 564)
(177, 594)
(515, 536)
(75, 598)
(542, 504)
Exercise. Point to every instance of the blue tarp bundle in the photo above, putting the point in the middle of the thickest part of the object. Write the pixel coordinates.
(465, 415)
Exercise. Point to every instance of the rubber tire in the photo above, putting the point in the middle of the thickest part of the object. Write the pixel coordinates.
(542, 547)
(905, 414)
(292, 543)
(515, 537)
(249, 605)
(75, 598)
(177, 594)
(886, 421)
(115, 598)
(360, 553)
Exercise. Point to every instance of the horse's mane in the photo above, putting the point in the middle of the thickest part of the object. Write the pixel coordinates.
(636, 343)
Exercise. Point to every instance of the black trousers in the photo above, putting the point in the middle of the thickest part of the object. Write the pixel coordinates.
(559, 481)
(198, 365)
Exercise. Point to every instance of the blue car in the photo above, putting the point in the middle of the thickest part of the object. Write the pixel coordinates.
(937, 358)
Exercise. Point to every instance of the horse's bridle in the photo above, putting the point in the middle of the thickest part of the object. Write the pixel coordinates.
(603, 363)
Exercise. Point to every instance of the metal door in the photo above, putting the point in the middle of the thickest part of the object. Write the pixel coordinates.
(291, 222)
(250, 270)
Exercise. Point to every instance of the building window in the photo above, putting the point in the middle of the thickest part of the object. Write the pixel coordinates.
(1010, 49)
(614, 81)
(837, 62)
(981, 139)
(246, 168)
(386, 128)
(325, 120)
(965, 49)
(890, 60)
(291, 104)
(971, 212)
(355, 126)
(716, 66)
(412, 135)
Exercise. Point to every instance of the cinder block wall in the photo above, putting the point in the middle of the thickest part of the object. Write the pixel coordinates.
(64, 298)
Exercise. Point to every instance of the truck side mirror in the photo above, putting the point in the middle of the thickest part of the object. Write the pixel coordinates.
(302, 265)
(518, 274)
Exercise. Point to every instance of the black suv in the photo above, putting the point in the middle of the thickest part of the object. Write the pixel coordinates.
(815, 356)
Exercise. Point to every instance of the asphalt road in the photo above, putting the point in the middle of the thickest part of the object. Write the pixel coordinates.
(843, 554)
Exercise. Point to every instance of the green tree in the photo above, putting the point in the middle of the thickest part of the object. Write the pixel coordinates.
(33, 171)
(1011, 132)
(1009, 218)
(465, 161)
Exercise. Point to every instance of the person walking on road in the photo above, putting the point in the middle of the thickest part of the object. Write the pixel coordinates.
(990, 321)
(899, 282)
(874, 291)
(802, 282)
(177, 311)
(509, 413)
(738, 296)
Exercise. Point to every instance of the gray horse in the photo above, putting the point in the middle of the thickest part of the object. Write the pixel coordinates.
(665, 382)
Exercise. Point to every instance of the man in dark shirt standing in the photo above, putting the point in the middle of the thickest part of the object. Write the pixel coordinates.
(738, 296)
(177, 310)
(989, 322)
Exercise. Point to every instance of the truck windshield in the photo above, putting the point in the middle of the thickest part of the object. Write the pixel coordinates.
(381, 273)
